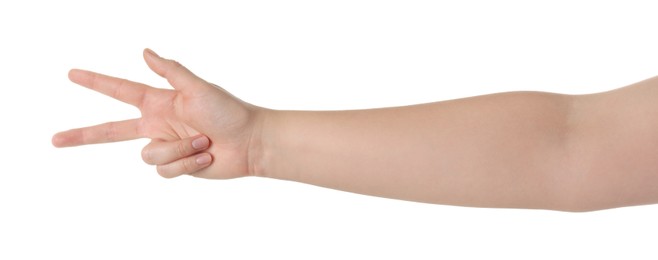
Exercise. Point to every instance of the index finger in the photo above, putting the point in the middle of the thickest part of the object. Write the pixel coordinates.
(123, 90)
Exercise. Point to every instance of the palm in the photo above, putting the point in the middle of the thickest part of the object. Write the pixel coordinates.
(159, 120)
(193, 107)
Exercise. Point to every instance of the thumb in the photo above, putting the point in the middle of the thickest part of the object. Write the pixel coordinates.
(176, 74)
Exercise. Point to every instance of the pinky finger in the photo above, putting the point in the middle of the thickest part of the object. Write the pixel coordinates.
(186, 165)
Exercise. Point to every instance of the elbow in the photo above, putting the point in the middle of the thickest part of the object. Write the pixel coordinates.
(578, 205)
(570, 179)
(575, 206)
(570, 195)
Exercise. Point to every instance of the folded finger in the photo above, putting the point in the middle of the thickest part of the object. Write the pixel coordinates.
(103, 133)
(186, 165)
(160, 152)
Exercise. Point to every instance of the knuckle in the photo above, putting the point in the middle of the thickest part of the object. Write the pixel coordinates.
(188, 165)
(111, 132)
(175, 64)
(84, 136)
(147, 155)
(174, 67)
(117, 92)
(181, 149)
(163, 172)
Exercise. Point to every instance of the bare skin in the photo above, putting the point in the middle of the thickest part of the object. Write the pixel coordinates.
(515, 150)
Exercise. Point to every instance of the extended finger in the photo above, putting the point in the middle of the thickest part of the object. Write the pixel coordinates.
(186, 165)
(176, 74)
(103, 133)
(159, 152)
(124, 90)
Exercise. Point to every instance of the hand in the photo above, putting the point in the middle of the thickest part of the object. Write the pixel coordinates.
(225, 128)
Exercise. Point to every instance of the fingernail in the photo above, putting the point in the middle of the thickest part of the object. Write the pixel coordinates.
(203, 159)
(200, 143)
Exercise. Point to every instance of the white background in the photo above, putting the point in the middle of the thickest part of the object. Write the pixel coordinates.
(102, 202)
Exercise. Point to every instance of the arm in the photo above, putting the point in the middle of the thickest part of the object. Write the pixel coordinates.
(520, 149)
(614, 147)
(501, 150)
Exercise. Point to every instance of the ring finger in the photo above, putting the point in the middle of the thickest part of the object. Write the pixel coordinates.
(186, 165)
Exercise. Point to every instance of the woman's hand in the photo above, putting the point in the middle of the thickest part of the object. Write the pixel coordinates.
(197, 128)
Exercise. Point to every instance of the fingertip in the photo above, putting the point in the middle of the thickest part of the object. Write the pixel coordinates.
(80, 77)
(67, 138)
(151, 59)
(203, 159)
(58, 141)
(72, 73)
(200, 142)
(149, 52)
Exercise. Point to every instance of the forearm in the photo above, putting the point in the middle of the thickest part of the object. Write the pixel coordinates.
(502, 150)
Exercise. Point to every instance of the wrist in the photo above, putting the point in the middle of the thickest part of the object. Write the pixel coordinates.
(258, 147)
